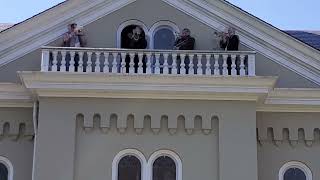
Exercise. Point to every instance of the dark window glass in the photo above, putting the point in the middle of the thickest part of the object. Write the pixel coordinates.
(164, 168)
(3, 172)
(294, 174)
(129, 168)
(164, 39)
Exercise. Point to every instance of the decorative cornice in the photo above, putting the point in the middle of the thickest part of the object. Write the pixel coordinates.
(14, 95)
(292, 100)
(57, 84)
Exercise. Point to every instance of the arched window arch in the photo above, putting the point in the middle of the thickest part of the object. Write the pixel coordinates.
(6, 169)
(130, 24)
(162, 35)
(164, 165)
(127, 164)
(295, 170)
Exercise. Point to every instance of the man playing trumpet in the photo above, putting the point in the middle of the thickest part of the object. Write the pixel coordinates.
(184, 41)
(229, 41)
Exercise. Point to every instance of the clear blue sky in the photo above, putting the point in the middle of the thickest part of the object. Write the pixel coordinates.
(284, 14)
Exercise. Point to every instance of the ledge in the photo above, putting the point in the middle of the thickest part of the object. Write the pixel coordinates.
(58, 84)
(14, 95)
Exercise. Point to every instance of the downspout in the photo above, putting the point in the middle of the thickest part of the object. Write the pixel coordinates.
(35, 116)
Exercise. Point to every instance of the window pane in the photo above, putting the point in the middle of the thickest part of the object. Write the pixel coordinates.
(164, 39)
(3, 172)
(294, 174)
(129, 168)
(164, 168)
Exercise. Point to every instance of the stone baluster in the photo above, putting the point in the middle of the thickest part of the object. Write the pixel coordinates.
(242, 67)
(233, 65)
(225, 65)
(89, 62)
(123, 62)
(45, 60)
(148, 64)
(216, 65)
(208, 65)
(174, 64)
(97, 63)
(55, 61)
(106, 62)
(114, 63)
(199, 64)
(63, 61)
(191, 65)
(131, 64)
(251, 65)
(165, 64)
(72, 62)
(80, 67)
(157, 63)
(182, 65)
(140, 64)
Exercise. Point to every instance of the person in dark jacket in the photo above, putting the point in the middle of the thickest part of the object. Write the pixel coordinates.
(184, 41)
(230, 41)
(135, 40)
(74, 37)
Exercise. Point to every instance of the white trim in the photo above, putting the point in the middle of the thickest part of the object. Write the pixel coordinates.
(170, 154)
(131, 152)
(295, 164)
(9, 166)
(161, 25)
(128, 23)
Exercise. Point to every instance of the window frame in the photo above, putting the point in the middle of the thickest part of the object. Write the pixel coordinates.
(5, 161)
(295, 164)
(129, 152)
(170, 154)
(161, 25)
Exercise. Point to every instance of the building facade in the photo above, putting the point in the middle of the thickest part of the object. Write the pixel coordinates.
(104, 112)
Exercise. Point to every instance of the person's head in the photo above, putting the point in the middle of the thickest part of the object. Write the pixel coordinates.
(73, 27)
(137, 30)
(185, 32)
(231, 31)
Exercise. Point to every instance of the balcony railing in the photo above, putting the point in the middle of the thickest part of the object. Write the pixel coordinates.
(119, 61)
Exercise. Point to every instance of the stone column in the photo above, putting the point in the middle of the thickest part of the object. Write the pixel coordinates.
(55, 142)
(237, 142)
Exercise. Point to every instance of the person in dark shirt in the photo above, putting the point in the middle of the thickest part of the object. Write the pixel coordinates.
(135, 40)
(184, 41)
(230, 41)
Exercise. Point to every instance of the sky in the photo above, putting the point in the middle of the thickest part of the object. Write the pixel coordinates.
(284, 14)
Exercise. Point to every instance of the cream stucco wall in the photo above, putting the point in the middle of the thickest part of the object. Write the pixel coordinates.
(15, 145)
(281, 146)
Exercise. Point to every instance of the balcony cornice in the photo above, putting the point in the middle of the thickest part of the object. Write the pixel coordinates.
(98, 85)
(14, 95)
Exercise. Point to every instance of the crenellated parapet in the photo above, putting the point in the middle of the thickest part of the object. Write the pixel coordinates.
(138, 123)
(293, 136)
(16, 130)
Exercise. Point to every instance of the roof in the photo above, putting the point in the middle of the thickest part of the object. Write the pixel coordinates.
(4, 26)
(311, 38)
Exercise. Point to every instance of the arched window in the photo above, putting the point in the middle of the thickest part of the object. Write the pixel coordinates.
(6, 169)
(165, 165)
(163, 35)
(129, 164)
(295, 171)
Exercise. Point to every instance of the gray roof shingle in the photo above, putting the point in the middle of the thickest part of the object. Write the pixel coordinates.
(4, 26)
(312, 38)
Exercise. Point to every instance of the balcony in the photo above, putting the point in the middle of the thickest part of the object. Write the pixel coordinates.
(156, 62)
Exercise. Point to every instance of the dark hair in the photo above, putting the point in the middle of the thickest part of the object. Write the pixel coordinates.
(73, 25)
(187, 30)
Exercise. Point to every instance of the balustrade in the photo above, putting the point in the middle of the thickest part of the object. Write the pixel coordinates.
(119, 61)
